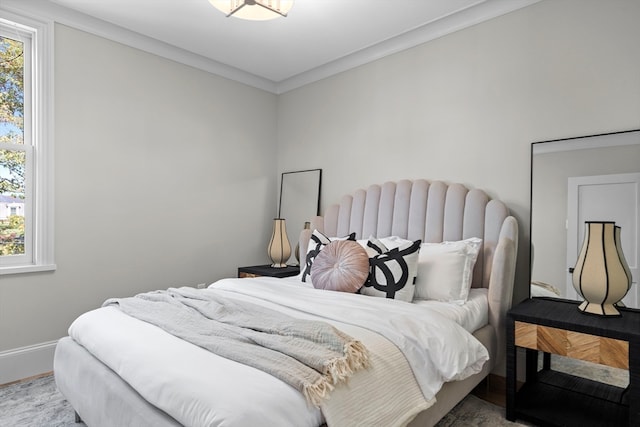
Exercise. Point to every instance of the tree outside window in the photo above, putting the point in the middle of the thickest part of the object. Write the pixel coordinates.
(12, 158)
(26, 143)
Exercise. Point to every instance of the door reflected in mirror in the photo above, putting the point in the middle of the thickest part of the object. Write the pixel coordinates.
(299, 202)
(591, 178)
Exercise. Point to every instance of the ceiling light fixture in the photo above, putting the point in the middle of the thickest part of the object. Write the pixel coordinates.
(255, 10)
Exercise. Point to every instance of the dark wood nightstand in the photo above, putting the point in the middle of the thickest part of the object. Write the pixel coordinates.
(267, 270)
(552, 398)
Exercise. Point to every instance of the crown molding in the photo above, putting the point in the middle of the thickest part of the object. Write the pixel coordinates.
(465, 18)
(480, 12)
(50, 11)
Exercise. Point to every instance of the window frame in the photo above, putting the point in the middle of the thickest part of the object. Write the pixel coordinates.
(39, 186)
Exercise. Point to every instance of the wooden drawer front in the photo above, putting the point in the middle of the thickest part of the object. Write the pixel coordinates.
(243, 275)
(592, 348)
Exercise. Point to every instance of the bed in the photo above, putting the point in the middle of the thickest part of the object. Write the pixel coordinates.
(117, 370)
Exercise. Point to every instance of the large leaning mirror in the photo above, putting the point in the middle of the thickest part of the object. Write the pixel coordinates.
(299, 202)
(591, 178)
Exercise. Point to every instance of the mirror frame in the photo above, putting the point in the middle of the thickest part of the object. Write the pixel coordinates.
(583, 142)
(317, 211)
(311, 208)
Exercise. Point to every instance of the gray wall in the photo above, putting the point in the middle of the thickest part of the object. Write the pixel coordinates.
(466, 107)
(159, 181)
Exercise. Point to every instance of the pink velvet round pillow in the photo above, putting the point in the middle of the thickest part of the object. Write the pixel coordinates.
(342, 265)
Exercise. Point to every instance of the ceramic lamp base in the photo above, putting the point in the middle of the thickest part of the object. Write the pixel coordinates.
(608, 310)
(279, 248)
(279, 265)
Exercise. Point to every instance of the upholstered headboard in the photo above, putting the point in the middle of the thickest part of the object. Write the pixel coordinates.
(435, 211)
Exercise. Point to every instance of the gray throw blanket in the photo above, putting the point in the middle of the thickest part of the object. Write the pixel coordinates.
(311, 356)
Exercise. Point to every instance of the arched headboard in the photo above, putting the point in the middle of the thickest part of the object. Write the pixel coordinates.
(435, 211)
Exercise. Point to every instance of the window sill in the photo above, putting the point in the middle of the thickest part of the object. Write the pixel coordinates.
(27, 269)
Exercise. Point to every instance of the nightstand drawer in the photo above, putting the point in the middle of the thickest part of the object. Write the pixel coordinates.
(243, 275)
(591, 348)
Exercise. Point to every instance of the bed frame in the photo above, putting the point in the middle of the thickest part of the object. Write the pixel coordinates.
(437, 212)
(431, 211)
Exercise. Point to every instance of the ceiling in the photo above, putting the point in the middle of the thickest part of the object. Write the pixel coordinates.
(317, 39)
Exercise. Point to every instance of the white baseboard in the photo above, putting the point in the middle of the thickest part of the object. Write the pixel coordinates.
(25, 362)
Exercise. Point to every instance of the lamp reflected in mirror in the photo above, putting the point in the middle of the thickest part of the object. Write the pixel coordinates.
(601, 275)
(573, 181)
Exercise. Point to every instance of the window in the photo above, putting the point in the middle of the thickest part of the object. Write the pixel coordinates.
(26, 145)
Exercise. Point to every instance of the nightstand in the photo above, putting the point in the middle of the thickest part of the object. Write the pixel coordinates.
(551, 398)
(267, 270)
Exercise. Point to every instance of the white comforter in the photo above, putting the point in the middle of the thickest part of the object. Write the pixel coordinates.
(198, 388)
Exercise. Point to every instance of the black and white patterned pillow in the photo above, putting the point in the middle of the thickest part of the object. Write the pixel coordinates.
(373, 246)
(392, 273)
(316, 243)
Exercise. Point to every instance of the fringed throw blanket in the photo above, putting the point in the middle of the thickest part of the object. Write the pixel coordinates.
(311, 356)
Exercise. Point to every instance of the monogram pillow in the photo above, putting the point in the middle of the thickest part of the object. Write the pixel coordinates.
(316, 243)
(392, 272)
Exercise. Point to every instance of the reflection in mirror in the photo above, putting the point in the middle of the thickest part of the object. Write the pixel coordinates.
(592, 178)
(299, 202)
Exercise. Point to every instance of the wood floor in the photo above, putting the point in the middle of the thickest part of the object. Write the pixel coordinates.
(493, 390)
(24, 380)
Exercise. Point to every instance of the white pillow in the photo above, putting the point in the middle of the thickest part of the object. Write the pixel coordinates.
(445, 270)
(388, 243)
(393, 242)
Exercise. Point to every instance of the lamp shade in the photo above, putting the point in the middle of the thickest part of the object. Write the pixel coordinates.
(622, 258)
(279, 246)
(601, 275)
(254, 10)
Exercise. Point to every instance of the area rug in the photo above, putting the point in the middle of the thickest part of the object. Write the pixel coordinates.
(37, 403)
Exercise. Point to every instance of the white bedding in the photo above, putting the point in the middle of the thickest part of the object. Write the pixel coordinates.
(472, 315)
(199, 388)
